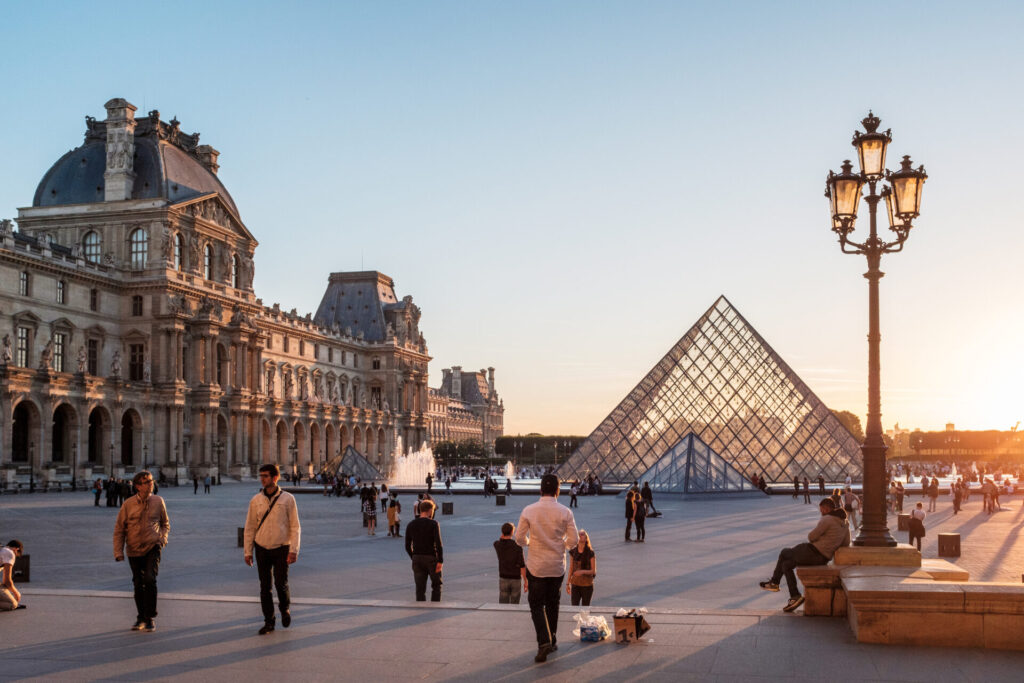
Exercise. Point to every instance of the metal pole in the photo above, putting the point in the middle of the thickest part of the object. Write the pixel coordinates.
(875, 529)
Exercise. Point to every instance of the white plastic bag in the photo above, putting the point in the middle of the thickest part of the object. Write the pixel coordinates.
(590, 628)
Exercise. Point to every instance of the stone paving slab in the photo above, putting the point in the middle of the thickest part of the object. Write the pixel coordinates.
(213, 638)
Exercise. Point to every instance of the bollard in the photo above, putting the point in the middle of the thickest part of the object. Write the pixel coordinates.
(949, 545)
(499, 499)
(21, 569)
(241, 536)
(447, 508)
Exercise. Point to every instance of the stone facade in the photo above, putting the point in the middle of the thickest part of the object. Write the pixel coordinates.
(466, 407)
(132, 336)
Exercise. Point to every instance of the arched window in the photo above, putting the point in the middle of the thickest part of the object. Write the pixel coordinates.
(177, 251)
(91, 246)
(139, 245)
(208, 262)
(234, 271)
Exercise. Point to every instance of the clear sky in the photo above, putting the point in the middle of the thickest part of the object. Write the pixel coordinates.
(564, 187)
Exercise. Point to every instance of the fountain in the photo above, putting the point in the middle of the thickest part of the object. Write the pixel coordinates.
(510, 470)
(411, 470)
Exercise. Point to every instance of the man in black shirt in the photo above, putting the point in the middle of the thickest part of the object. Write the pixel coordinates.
(423, 544)
(511, 566)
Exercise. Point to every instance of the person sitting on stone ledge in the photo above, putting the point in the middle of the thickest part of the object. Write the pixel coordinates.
(831, 533)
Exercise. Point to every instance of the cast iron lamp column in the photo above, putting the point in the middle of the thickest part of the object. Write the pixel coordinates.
(903, 201)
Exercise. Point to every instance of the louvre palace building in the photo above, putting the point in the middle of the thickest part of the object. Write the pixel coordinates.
(131, 335)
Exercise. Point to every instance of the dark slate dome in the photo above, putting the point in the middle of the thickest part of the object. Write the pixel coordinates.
(166, 165)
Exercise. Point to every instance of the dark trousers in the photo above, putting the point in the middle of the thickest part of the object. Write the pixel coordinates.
(544, 595)
(422, 567)
(807, 496)
(802, 555)
(274, 561)
(97, 501)
(582, 595)
(144, 571)
(629, 526)
(641, 531)
(573, 503)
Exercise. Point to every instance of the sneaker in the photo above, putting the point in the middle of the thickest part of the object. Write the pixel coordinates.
(542, 653)
(139, 625)
(793, 603)
(267, 628)
(150, 626)
(769, 586)
(286, 618)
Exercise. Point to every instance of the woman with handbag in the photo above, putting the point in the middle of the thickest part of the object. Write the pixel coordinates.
(582, 571)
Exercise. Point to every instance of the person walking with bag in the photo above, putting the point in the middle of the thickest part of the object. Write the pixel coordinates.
(142, 528)
(582, 571)
(916, 526)
(272, 535)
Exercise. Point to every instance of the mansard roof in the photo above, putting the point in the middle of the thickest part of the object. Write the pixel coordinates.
(166, 165)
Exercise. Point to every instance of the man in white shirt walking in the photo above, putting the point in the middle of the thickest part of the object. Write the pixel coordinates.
(272, 533)
(547, 529)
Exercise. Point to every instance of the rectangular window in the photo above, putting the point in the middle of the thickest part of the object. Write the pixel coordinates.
(302, 347)
(21, 349)
(376, 363)
(316, 352)
(61, 287)
(286, 344)
(330, 354)
(136, 359)
(344, 354)
(93, 363)
(58, 351)
(375, 397)
(23, 288)
(136, 305)
(94, 299)
(355, 361)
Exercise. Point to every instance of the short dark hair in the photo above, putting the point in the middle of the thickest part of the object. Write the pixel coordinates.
(507, 528)
(272, 469)
(427, 508)
(827, 503)
(16, 544)
(139, 476)
(548, 485)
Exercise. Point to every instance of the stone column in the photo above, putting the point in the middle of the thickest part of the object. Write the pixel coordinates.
(119, 176)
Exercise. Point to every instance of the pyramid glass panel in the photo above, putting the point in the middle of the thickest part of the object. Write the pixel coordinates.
(723, 383)
(352, 462)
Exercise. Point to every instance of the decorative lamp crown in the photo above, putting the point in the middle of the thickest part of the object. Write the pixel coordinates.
(871, 147)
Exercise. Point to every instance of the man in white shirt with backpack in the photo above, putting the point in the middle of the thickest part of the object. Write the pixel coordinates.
(272, 534)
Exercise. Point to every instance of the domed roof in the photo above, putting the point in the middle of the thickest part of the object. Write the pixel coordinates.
(166, 166)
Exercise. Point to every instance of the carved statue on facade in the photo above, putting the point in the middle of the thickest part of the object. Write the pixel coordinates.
(387, 406)
(147, 371)
(46, 357)
(225, 263)
(168, 246)
(193, 252)
(115, 364)
(303, 387)
(270, 380)
(318, 388)
(7, 355)
(286, 378)
(83, 359)
(6, 227)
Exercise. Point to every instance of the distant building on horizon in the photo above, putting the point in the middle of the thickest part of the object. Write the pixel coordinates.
(466, 407)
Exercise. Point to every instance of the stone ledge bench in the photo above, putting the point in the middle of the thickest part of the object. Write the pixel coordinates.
(824, 595)
(914, 611)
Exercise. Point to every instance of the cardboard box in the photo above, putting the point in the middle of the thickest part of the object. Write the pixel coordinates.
(630, 628)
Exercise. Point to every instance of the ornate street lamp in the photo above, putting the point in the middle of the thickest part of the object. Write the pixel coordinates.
(176, 447)
(32, 467)
(903, 202)
(219, 448)
(293, 448)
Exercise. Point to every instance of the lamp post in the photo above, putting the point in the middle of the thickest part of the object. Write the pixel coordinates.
(176, 447)
(293, 448)
(31, 466)
(111, 475)
(902, 197)
(219, 448)
(145, 456)
(74, 466)
(951, 441)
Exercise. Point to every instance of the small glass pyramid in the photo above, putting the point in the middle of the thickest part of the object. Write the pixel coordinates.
(691, 466)
(349, 462)
(723, 383)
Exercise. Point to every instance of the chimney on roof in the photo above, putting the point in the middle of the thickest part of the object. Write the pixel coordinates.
(490, 379)
(208, 158)
(119, 176)
(457, 381)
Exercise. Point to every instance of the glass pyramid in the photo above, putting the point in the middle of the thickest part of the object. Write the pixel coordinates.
(692, 467)
(349, 462)
(725, 384)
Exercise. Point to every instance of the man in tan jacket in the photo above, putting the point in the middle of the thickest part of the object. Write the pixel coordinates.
(142, 526)
(272, 534)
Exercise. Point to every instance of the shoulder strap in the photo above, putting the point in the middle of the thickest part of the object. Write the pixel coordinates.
(267, 513)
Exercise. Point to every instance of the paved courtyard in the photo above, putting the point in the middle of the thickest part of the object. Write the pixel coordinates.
(697, 572)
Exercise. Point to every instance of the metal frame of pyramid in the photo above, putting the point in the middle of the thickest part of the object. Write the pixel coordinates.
(723, 382)
(691, 466)
(352, 461)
